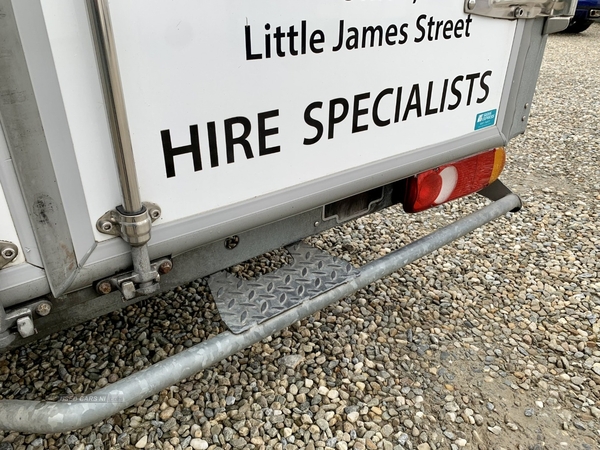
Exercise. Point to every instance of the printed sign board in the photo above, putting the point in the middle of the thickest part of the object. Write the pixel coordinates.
(232, 100)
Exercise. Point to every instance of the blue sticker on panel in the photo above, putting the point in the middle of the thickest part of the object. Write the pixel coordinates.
(485, 119)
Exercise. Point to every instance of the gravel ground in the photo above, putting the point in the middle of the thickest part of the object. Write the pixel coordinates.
(489, 343)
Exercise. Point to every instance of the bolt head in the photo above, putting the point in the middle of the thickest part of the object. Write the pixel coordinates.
(155, 214)
(106, 226)
(43, 309)
(165, 267)
(471, 4)
(104, 288)
(8, 253)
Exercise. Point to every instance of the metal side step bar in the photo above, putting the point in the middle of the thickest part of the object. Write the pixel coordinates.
(54, 417)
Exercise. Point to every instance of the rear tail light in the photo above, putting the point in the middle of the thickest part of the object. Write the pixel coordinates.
(451, 181)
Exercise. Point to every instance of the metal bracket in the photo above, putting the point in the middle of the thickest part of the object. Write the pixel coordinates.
(131, 285)
(133, 228)
(520, 9)
(8, 252)
(22, 317)
(556, 24)
(496, 191)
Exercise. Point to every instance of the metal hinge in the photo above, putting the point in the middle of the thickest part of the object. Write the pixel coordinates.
(520, 9)
(8, 252)
(131, 285)
(134, 229)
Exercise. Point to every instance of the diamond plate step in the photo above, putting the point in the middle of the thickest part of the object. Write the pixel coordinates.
(245, 303)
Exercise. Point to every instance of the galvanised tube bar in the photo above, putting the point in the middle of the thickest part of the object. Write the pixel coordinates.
(115, 103)
(100, 21)
(48, 417)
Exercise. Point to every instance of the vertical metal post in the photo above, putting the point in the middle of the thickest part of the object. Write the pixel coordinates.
(131, 221)
(115, 104)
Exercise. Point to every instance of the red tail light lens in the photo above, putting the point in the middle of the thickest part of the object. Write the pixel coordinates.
(451, 181)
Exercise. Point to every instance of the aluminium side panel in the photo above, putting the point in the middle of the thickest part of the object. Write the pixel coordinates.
(23, 278)
(39, 145)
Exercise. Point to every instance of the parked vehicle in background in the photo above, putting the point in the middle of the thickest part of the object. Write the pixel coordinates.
(588, 12)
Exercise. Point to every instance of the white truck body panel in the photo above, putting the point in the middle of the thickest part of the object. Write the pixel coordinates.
(189, 64)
